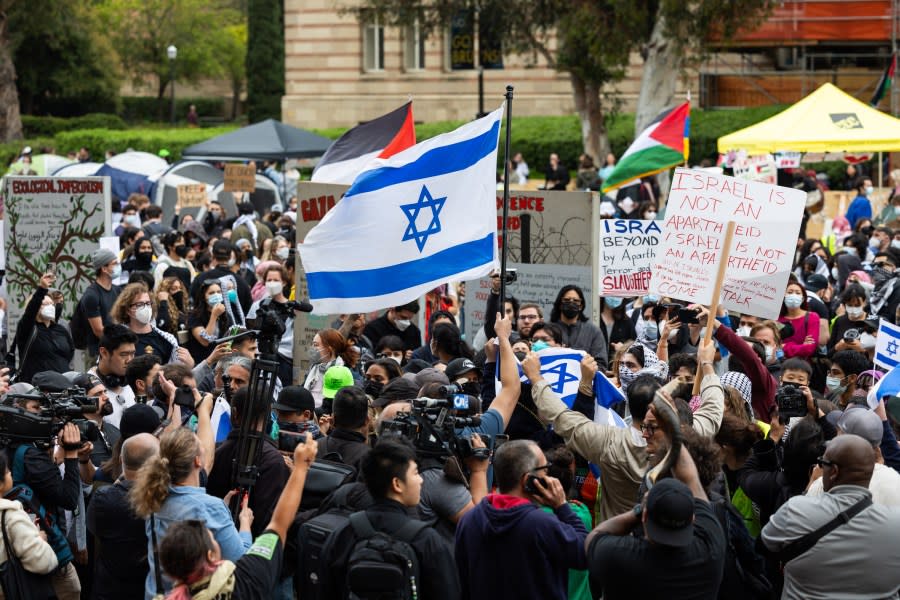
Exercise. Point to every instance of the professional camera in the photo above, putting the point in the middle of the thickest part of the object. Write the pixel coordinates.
(431, 427)
(791, 402)
(18, 426)
(851, 335)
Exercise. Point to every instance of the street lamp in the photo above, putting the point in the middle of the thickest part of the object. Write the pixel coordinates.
(172, 53)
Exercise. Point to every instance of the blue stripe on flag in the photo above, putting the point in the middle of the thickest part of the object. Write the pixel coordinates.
(437, 161)
(394, 278)
(886, 360)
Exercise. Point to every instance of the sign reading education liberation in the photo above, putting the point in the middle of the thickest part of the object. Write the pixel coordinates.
(52, 221)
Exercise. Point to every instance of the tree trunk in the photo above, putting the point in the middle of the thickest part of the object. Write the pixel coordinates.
(662, 68)
(590, 112)
(10, 119)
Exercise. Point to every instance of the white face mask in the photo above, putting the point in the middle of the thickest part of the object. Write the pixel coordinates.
(132, 220)
(743, 331)
(627, 205)
(48, 312)
(650, 215)
(282, 253)
(867, 341)
(854, 312)
(274, 288)
(143, 315)
(402, 324)
(834, 273)
(895, 244)
(870, 190)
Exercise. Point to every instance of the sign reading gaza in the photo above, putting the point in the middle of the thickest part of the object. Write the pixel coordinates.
(698, 210)
(628, 249)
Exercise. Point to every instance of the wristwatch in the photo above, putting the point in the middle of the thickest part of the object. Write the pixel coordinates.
(638, 510)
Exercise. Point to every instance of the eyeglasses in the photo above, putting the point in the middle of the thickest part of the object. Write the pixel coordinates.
(528, 317)
(141, 305)
(649, 428)
(823, 462)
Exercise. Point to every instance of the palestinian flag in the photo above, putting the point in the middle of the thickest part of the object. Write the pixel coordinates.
(350, 154)
(664, 144)
(884, 84)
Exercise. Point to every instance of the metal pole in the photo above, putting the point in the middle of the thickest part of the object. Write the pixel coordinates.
(480, 92)
(503, 248)
(172, 85)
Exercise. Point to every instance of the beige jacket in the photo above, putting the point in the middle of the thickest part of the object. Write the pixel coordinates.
(35, 554)
(620, 453)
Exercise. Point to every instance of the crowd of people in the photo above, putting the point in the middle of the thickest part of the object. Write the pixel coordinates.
(411, 464)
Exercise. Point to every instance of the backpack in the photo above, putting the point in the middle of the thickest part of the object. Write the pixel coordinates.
(317, 541)
(323, 478)
(744, 572)
(382, 566)
(46, 521)
(79, 326)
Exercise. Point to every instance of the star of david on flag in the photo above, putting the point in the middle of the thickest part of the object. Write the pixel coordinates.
(887, 345)
(409, 223)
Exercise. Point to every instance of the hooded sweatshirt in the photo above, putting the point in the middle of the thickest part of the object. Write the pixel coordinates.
(511, 535)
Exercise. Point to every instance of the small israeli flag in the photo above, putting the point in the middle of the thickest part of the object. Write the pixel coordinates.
(887, 345)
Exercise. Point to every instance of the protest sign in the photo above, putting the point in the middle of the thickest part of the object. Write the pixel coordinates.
(52, 221)
(314, 200)
(240, 178)
(192, 195)
(628, 251)
(759, 260)
(538, 284)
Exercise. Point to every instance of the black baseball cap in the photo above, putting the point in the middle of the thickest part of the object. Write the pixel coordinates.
(399, 389)
(458, 367)
(670, 513)
(816, 282)
(222, 249)
(138, 418)
(294, 398)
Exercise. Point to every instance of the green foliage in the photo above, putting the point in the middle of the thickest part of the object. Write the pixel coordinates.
(99, 141)
(265, 59)
(65, 64)
(142, 109)
(49, 126)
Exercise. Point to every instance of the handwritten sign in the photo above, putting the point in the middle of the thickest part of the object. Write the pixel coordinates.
(52, 221)
(787, 160)
(628, 252)
(700, 205)
(192, 195)
(240, 178)
(538, 284)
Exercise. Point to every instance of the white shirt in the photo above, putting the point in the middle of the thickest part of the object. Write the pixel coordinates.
(885, 486)
(120, 399)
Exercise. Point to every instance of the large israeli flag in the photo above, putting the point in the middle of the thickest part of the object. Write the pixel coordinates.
(408, 224)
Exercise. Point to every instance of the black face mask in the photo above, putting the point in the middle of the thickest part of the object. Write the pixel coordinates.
(521, 356)
(472, 388)
(570, 310)
(181, 250)
(373, 388)
(144, 257)
(178, 298)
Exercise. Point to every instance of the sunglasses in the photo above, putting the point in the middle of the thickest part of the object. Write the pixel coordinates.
(823, 462)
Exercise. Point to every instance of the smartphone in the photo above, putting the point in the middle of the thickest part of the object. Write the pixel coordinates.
(529, 484)
(688, 315)
(51, 269)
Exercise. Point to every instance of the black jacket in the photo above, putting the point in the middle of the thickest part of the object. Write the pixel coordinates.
(380, 327)
(350, 445)
(120, 559)
(273, 475)
(243, 290)
(52, 348)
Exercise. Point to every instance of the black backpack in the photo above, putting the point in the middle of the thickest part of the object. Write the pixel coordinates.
(744, 572)
(79, 326)
(382, 566)
(324, 477)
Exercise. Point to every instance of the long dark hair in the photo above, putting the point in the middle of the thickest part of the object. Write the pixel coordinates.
(557, 304)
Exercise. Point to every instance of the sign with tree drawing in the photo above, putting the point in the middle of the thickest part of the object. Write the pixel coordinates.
(52, 221)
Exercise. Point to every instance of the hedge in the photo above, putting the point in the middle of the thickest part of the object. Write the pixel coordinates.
(99, 141)
(138, 109)
(33, 126)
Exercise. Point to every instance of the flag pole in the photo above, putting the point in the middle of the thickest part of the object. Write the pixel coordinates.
(509, 98)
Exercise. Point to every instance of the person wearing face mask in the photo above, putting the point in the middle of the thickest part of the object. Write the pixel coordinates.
(846, 367)
(136, 308)
(276, 282)
(99, 297)
(175, 256)
(246, 262)
(886, 297)
(223, 257)
(860, 207)
(42, 343)
(616, 324)
(141, 258)
(130, 218)
(853, 301)
(248, 227)
(329, 348)
(207, 322)
(397, 321)
(804, 340)
(379, 374)
(578, 332)
(648, 210)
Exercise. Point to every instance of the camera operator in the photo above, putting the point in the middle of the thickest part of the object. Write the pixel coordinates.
(117, 348)
(34, 469)
(107, 435)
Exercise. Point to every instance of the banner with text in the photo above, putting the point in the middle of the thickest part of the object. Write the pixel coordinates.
(52, 221)
(628, 250)
(699, 206)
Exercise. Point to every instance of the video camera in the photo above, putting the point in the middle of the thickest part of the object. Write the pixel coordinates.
(791, 402)
(19, 426)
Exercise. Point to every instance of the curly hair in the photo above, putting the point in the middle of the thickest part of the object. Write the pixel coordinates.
(165, 285)
(122, 305)
(173, 464)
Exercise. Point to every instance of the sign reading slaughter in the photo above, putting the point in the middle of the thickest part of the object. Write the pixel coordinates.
(699, 207)
(628, 249)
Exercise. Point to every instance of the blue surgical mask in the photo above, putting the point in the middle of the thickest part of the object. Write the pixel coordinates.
(874, 244)
(214, 299)
(793, 300)
(651, 330)
(613, 302)
(651, 298)
(539, 345)
(869, 190)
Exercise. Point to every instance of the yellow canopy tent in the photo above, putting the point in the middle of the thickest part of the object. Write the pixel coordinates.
(828, 120)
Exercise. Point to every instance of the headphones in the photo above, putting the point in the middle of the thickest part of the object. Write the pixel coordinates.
(112, 381)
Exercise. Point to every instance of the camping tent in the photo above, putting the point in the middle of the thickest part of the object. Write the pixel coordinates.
(268, 140)
(828, 120)
(77, 169)
(131, 171)
(42, 164)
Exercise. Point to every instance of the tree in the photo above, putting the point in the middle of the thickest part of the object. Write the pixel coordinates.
(265, 59)
(10, 120)
(232, 53)
(142, 30)
(65, 65)
(594, 40)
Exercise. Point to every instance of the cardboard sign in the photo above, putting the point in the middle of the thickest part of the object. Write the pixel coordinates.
(628, 250)
(787, 160)
(52, 221)
(240, 178)
(192, 195)
(699, 207)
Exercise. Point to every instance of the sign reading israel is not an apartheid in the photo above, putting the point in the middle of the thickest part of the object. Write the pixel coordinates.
(52, 222)
(698, 210)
